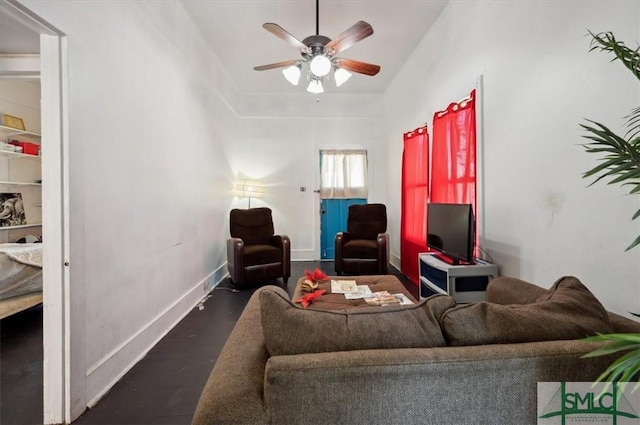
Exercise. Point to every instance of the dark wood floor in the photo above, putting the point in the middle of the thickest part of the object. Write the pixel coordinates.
(163, 388)
(21, 368)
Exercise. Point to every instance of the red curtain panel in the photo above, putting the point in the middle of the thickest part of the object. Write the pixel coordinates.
(415, 193)
(453, 174)
(453, 177)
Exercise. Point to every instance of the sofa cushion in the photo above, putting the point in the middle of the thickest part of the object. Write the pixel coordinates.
(568, 310)
(261, 254)
(360, 248)
(509, 290)
(291, 329)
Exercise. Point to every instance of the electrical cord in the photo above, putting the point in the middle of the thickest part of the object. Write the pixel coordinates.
(226, 289)
(482, 251)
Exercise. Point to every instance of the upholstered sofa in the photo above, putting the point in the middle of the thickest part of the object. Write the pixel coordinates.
(431, 363)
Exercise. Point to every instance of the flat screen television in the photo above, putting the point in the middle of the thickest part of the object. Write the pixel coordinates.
(451, 231)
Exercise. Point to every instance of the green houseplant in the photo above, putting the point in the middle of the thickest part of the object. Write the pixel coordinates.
(619, 163)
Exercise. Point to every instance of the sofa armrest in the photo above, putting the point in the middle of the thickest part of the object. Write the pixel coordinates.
(340, 239)
(284, 243)
(383, 252)
(235, 258)
(509, 290)
(286, 257)
(233, 392)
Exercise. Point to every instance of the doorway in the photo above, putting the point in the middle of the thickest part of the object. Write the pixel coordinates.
(21, 377)
(49, 69)
(343, 182)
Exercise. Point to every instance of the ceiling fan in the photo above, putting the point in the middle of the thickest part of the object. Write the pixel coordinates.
(319, 54)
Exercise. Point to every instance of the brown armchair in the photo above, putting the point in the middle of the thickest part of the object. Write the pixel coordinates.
(364, 247)
(254, 253)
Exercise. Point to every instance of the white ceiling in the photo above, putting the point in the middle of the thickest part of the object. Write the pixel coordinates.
(234, 30)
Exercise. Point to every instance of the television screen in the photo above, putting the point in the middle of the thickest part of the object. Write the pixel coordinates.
(450, 230)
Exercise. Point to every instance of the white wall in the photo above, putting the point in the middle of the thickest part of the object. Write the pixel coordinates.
(540, 81)
(148, 195)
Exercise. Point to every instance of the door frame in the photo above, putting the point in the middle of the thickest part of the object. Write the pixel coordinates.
(371, 159)
(62, 379)
(57, 373)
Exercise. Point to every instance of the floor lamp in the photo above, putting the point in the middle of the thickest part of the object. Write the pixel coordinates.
(250, 189)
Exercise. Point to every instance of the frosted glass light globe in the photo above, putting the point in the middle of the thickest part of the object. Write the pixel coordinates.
(315, 86)
(341, 75)
(292, 74)
(320, 65)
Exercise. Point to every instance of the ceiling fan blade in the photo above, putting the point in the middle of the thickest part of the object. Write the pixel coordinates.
(357, 66)
(279, 32)
(275, 65)
(358, 31)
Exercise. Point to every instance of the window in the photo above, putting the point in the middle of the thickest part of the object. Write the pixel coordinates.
(343, 174)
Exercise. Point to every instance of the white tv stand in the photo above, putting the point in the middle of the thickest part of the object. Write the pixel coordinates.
(465, 283)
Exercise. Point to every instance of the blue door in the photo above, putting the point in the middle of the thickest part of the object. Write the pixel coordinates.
(333, 219)
(343, 173)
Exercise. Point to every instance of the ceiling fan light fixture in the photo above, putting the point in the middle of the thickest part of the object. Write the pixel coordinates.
(341, 75)
(320, 65)
(315, 86)
(319, 55)
(292, 74)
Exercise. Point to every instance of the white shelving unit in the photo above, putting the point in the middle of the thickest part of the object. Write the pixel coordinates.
(9, 183)
(22, 226)
(6, 132)
(21, 173)
(466, 283)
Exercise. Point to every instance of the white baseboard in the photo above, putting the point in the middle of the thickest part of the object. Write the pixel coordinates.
(105, 373)
(303, 255)
(395, 260)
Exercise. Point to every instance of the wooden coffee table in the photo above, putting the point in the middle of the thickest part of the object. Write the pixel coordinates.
(330, 301)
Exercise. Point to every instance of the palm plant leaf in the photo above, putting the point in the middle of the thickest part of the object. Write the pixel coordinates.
(634, 243)
(619, 161)
(620, 158)
(606, 42)
(617, 342)
(625, 368)
(633, 122)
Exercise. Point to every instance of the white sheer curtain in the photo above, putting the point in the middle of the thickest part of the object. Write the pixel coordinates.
(343, 174)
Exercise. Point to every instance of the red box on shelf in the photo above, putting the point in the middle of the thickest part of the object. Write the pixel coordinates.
(27, 148)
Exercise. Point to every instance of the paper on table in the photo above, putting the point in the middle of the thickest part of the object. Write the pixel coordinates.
(404, 300)
(343, 286)
(385, 298)
(362, 292)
